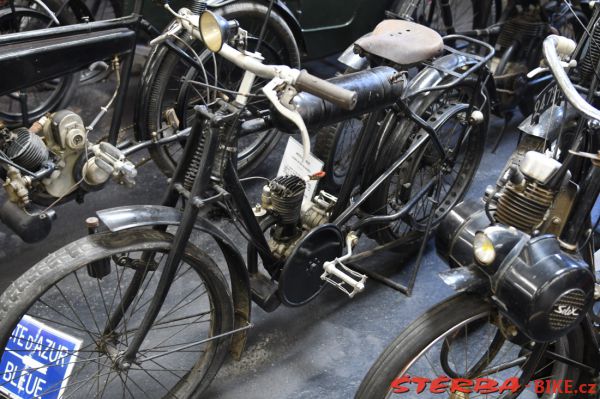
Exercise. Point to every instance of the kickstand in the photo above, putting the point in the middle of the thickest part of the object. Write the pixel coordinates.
(408, 288)
(507, 118)
(413, 277)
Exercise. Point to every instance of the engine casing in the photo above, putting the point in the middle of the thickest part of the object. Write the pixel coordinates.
(544, 291)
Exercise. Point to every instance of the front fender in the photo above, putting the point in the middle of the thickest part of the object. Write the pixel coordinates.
(129, 217)
(550, 122)
(466, 279)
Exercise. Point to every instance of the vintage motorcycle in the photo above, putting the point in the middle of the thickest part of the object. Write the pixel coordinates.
(142, 311)
(297, 31)
(516, 29)
(523, 260)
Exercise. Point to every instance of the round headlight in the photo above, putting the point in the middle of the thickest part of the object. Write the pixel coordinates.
(483, 249)
(213, 30)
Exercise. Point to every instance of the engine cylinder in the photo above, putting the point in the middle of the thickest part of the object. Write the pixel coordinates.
(27, 150)
(523, 206)
(287, 193)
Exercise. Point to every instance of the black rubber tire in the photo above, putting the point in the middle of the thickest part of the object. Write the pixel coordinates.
(161, 66)
(326, 149)
(391, 150)
(422, 332)
(23, 292)
(68, 83)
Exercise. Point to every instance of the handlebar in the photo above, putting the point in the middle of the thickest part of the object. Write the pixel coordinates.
(326, 90)
(302, 80)
(555, 48)
(252, 62)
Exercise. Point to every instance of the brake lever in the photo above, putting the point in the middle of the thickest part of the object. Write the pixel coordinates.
(172, 31)
(292, 115)
(567, 65)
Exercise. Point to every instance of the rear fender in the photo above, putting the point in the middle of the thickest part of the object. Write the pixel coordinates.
(418, 103)
(129, 217)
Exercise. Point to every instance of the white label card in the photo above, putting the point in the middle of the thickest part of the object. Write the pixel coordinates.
(292, 164)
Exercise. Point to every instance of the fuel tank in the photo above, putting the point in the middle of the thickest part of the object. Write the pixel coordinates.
(376, 88)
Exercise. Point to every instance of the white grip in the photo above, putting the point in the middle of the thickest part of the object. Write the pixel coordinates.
(564, 46)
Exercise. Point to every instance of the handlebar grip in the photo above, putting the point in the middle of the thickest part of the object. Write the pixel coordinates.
(565, 46)
(326, 90)
(551, 47)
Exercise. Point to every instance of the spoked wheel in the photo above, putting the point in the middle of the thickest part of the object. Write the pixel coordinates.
(463, 338)
(58, 302)
(437, 183)
(169, 83)
(464, 14)
(45, 96)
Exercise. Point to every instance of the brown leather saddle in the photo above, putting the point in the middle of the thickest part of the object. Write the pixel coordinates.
(402, 42)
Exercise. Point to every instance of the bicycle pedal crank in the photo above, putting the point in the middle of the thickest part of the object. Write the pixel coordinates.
(343, 278)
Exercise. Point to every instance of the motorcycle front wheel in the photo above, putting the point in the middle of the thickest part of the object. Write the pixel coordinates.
(58, 301)
(462, 337)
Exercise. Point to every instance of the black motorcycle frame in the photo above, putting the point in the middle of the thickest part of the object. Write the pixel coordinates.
(44, 51)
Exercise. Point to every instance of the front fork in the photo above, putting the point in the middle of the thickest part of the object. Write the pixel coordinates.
(182, 235)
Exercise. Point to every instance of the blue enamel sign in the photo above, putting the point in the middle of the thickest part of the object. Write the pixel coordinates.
(37, 361)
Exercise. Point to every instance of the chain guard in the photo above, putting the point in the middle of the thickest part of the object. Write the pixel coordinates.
(300, 279)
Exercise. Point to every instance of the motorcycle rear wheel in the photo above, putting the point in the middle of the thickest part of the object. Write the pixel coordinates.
(424, 165)
(44, 97)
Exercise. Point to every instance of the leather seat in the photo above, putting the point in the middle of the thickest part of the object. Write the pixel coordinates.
(402, 42)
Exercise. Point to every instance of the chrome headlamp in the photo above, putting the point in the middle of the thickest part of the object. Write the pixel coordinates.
(216, 30)
(483, 249)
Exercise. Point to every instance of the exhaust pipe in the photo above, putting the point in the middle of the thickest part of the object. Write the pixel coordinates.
(30, 227)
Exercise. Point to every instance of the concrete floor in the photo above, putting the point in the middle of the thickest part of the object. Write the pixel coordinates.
(321, 350)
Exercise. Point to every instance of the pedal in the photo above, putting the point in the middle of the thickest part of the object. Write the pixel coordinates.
(264, 292)
(341, 277)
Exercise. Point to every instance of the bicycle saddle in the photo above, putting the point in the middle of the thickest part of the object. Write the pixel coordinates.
(402, 42)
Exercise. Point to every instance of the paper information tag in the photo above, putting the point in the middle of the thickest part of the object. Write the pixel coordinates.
(292, 164)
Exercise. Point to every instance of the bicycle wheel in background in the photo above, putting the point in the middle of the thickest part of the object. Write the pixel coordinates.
(58, 300)
(462, 338)
(44, 97)
(465, 14)
(169, 83)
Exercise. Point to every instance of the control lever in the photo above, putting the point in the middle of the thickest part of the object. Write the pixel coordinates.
(109, 160)
(564, 49)
(173, 30)
(344, 274)
(294, 116)
(566, 65)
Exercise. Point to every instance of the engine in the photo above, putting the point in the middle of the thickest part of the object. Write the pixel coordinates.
(283, 199)
(539, 284)
(524, 199)
(47, 163)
